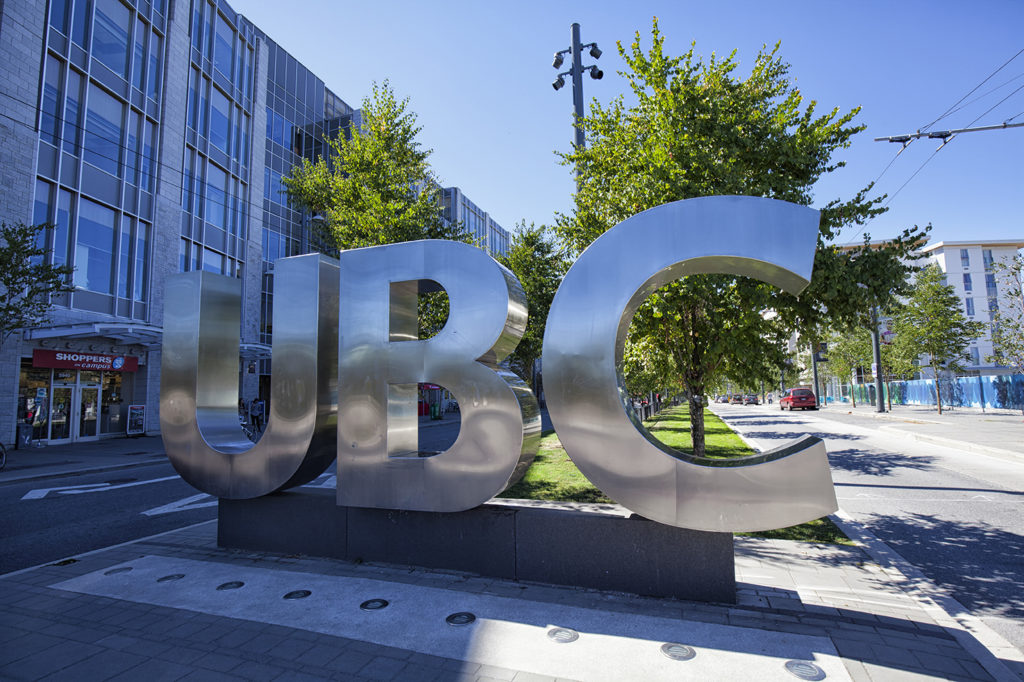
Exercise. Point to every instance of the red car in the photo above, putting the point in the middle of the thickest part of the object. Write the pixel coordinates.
(798, 398)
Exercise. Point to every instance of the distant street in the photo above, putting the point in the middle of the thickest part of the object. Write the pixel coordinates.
(957, 516)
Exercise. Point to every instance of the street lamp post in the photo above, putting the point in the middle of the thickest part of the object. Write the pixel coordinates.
(576, 72)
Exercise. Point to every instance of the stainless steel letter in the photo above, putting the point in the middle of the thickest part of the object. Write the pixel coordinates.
(771, 240)
(381, 361)
(199, 381)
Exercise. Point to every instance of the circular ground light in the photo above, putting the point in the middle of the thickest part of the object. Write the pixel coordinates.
(169, 578)
(563, 635)
(297, 594)
(115, 571)
(233, 585)
(805, 670)
(373, 604)
(678, 652)
(460, 618)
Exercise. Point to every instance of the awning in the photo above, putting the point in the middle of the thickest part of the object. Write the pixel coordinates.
(146, 335)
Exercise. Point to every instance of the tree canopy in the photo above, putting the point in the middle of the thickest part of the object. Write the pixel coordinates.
(539, 265)
(1008, 330)
(697, 128)
(27, 281)
(376, 187)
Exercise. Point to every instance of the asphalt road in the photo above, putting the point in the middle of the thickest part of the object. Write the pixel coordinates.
(955, 515)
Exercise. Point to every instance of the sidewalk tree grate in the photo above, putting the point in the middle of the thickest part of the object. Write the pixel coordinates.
(169, 578)
(115, 571)
(563, 635)
(805, 670)
(297, 594)
(373, 604)
(233, 585)
(460, 618)
(678, 652)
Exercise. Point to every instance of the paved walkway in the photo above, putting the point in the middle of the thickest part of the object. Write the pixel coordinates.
(854, 612)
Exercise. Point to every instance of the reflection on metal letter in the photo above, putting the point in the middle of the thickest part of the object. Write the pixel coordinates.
(770, 240)
(199, 381)
(381, 362)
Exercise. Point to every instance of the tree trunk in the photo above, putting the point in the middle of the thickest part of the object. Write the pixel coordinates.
(697, 423)
(888, 394)
(938, 394)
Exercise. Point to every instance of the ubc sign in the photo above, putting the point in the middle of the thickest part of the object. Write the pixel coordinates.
(347, 363)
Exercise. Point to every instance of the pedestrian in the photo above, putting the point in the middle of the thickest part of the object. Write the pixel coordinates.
(256, 414)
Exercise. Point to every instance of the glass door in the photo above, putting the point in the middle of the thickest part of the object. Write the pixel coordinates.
(60, 413)
(88, 412)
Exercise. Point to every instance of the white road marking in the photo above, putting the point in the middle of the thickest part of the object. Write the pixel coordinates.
(189, 503)
(40, 493)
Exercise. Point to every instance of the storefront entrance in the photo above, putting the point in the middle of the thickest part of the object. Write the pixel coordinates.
(74, 412)
(69, 405)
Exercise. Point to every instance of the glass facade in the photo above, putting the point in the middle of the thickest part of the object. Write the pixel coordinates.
(98, 149)
(217, 165)
(301, 115)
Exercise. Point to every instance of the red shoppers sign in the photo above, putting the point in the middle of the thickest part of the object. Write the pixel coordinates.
(61, 359)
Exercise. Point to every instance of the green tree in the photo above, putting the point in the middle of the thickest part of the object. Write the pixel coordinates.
(27, 281)
(933, 324)
(377, 186)
(848, 351)
(535, 260)
(1008, 327)
(698, 129)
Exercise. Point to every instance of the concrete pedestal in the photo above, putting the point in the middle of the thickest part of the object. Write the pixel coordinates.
(591, 546)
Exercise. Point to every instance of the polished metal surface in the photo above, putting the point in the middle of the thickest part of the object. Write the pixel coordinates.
(381, 362)
(771, 240)
(199, 381)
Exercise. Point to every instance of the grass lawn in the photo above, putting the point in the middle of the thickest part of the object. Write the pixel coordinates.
(553, 476)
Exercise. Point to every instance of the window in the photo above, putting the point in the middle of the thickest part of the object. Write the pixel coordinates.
(967, 282)
(148, 155)
(986, 257)
(124, 259)
(975, 356)
(224, 53)
(103, 131)
(965, 258)
(993, 305)
(62, 229)
(41, 210)
(73, 113)
(94, 248)
(111, 24)
(59, 15)
(134, 138)
(969, 303)
(154, 66)
(80, 23)
(216, 196)
(220, 120)
(139, 58)
(990, 284)
(49, 120)
(141, 261)
(213, 262)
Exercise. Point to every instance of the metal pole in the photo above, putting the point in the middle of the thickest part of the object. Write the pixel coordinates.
(577, 85)
(876, 351)
(814, 370)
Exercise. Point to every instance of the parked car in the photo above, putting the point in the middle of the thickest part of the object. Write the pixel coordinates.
(736, 399)
(799, 399)
(723, 399)
(750, 400)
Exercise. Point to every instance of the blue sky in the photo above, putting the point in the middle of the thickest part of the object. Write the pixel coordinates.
(478, 75)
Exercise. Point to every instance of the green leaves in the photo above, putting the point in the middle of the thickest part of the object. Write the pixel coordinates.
(27, 281)
(1008, 327)
(377, 186)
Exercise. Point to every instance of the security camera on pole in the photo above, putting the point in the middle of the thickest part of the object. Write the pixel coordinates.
(576, 71)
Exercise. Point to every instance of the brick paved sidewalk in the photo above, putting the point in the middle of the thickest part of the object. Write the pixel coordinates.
(831, 595)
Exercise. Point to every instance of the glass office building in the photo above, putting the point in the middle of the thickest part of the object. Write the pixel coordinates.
(153, 136)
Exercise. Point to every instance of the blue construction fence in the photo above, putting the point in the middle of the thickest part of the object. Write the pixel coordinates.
(1005, 391)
